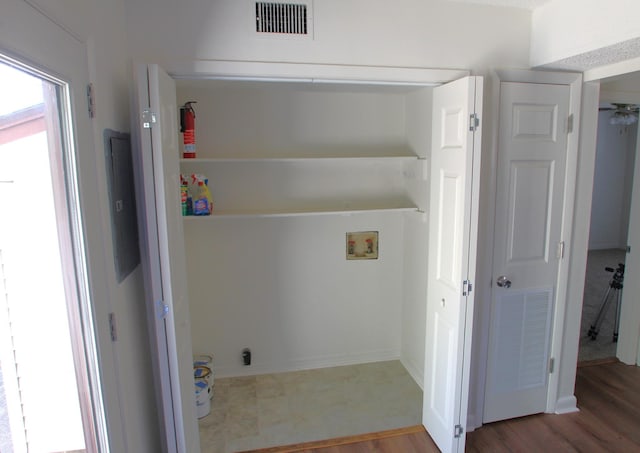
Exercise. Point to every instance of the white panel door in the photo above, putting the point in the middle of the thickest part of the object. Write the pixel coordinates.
(163, 256)
(453, 207)
(532, 154)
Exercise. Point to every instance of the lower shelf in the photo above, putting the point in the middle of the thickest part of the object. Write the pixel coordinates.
(297, 213)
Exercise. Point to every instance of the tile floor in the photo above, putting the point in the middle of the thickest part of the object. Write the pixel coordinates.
(286, 408)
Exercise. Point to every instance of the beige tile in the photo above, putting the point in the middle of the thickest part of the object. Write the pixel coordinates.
(241, 394)
(269, 386)
(215, 419)
(212, 441)
(301, 406)
(241, 422)
(244, 443)
(279, 434)
(273, 411)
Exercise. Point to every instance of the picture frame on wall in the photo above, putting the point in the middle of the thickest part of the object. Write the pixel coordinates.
(362, 245)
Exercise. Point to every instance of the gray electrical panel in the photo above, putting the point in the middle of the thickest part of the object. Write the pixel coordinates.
(124, 224)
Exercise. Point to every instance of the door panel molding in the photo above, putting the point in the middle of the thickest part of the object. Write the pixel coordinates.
(448, 268)
(535, 122)
(528, 246)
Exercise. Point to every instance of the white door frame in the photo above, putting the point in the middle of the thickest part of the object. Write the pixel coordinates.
(62, 57)
(555, 399)
(628, 349)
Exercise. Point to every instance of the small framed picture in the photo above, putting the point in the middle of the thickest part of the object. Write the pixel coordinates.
(362, 245)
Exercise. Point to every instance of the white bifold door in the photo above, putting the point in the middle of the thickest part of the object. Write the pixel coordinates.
(453, 210)
(163, 255)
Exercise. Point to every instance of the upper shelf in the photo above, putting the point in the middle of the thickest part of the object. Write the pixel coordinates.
(312, 73)
(293, 159)
(322, 154)
(299, 212)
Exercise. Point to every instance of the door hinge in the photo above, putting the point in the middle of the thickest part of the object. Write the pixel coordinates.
(112, 327)
(570, 124)
(163, 310)
(148, 118)
(560, 250)
(628, 249)
(91, 101)
(474, 122)
(457, 431)
(467, 287)
(552, 363)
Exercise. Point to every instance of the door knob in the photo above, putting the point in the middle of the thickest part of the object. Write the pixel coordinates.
(503, 282)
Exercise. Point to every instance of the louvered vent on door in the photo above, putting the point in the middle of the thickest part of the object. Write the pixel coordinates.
(283, 18)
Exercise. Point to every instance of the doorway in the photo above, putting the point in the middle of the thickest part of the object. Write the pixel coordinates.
(47, 403)
(609, 228)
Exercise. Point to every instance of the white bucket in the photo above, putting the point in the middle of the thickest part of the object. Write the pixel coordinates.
(203, 402)
(199, 363)
(202, 372)
(203, 360)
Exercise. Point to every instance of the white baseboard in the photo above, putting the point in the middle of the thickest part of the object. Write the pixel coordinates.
(414, 372)
(606, 246)
(567, 405)
(306, 364)
(471, 423)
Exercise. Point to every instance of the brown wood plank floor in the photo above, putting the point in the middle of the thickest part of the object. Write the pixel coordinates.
(403, 440)
(609, 420)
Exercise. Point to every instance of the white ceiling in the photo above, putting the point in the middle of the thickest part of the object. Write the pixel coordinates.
(525, 4)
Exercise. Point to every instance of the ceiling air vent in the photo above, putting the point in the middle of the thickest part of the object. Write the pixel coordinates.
(284, 18)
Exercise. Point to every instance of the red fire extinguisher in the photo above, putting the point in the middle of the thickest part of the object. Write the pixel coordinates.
(188, 128)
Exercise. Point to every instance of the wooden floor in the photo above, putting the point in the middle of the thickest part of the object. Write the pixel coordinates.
(403, 440)
(609, 420)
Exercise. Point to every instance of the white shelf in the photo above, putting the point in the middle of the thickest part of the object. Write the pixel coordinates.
(217, 160)
(292, 159)
(297, 213)
(308, 153)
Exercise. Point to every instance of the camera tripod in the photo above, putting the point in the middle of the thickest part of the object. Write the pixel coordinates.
(615, 287)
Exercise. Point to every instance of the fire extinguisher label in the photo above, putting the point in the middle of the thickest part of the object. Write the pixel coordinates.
(188, 126)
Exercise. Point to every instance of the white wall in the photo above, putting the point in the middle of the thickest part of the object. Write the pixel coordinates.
(613, 181)
(432, 34)
(565, 28)
(414, 310)
(621, 89)
(110, 73)
(283, 286)
(128, 388)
